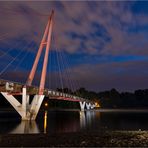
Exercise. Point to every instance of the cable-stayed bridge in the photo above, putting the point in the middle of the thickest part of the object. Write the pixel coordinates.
(10, 89)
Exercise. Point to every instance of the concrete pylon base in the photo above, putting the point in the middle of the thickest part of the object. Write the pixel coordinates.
(26, 111)
(88, 105)
(82, 106)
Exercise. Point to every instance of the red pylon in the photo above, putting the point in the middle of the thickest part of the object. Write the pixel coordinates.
(46, 40)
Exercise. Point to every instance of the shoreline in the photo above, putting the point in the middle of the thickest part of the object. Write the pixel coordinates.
(100, 109)
(86, 139)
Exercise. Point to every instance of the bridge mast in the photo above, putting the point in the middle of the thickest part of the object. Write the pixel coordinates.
(45, 41)
(29, 111)
(26, 110)
(44, 69)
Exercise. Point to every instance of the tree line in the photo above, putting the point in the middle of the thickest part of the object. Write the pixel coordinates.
(113, 98)
(106, 99)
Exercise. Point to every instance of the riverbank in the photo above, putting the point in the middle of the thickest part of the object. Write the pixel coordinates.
(112, 138)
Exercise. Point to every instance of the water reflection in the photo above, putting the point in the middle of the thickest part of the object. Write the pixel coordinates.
(74, 121)
(45, 122)
(87, 118)
(26, 127)
(30, 127)
(58, 123)
(82, 119)
(63, 122)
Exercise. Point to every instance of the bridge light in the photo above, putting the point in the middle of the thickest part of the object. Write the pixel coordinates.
(97, 104)
(46, 104)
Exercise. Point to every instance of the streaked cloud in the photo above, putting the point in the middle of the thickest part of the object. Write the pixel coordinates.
(95, 27)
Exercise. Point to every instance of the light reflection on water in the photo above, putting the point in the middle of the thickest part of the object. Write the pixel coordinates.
(73, 121)
(26, 127)
(45, 122)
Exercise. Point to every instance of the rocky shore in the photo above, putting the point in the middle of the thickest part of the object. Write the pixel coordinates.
(105, 139)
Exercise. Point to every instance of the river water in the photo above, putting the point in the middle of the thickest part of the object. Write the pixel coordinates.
(74, 121)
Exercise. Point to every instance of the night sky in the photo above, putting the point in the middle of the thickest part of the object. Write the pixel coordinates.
(106, 43)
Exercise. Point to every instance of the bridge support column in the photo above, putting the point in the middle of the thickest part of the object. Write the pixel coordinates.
(92, 106)
(24, 102)
(26, 111)
(31, 111)
(16, 104)
(82, 105)
(35, 106)
(88, 105)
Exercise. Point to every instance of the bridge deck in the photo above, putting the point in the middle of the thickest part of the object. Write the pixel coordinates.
(15, 88)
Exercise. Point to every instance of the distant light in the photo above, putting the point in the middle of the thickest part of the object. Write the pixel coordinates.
(97, 104)
(46, 104)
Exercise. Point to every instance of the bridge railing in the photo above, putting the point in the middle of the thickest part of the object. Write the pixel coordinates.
(15, 87)
(61, 94)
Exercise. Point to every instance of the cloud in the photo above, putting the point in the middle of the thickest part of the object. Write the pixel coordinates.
(124, 76)
(94, 30)
(115, 18)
